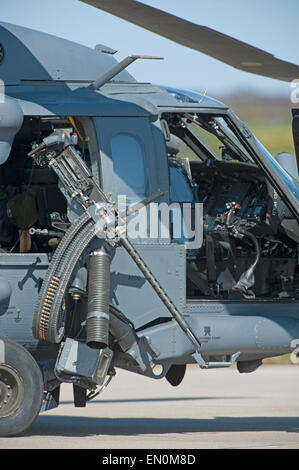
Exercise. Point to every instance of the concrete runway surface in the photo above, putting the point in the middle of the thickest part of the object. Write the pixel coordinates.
(210, 409)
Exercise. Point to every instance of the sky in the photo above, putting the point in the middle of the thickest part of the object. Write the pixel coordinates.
(271, 25)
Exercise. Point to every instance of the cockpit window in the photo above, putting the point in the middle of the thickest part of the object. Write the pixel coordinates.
(209, 136)
(128, 164)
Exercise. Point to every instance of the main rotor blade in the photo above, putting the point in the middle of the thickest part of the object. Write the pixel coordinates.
(231, 51)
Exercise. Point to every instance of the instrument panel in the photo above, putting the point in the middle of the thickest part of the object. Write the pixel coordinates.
(246, 190)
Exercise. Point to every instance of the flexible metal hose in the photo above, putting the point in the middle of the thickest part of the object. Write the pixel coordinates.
(97, 322)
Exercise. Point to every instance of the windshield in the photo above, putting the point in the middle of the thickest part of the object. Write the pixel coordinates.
(210, 136)
(206, 136)
(289, 182)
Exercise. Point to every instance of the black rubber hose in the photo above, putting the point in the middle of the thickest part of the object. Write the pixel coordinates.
(247, 278)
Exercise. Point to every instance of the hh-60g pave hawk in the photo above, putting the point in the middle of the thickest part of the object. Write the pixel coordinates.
(80, 294)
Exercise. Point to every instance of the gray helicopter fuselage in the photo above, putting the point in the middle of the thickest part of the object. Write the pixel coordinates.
(49, 78)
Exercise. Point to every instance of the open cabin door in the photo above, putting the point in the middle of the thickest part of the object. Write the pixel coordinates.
(133, 160)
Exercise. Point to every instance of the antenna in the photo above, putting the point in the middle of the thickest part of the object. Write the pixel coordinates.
(106, 77)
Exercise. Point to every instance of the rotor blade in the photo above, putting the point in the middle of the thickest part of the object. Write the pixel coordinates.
(231, 51)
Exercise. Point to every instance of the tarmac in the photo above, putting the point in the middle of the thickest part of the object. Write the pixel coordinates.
(210, 409)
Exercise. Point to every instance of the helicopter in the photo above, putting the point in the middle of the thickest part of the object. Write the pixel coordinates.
(143, 227)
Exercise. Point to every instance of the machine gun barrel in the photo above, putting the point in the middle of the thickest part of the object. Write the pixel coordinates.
(73, 174)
